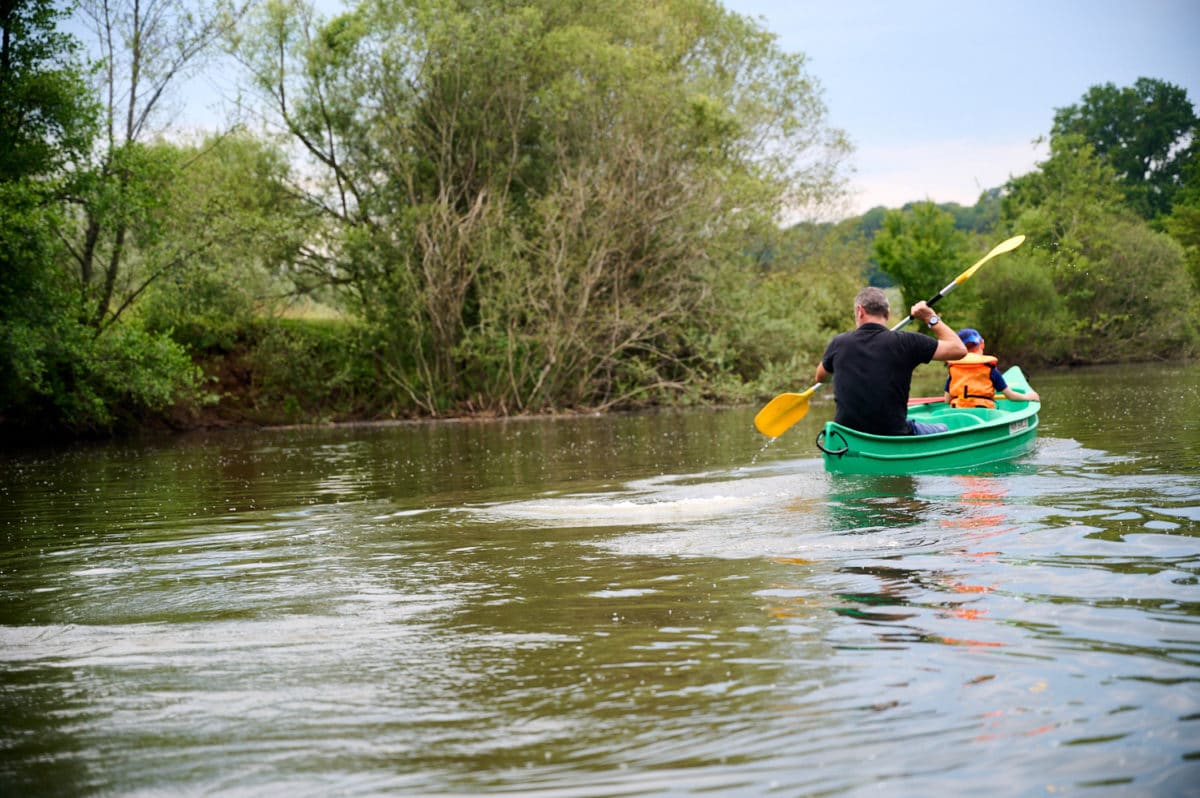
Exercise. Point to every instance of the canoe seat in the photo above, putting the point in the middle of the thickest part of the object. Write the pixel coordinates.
(959, 420)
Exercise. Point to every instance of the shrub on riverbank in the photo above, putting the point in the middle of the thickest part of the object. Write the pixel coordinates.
(284, 371)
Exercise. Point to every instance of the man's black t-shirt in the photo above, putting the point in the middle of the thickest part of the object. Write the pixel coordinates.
(872, 374)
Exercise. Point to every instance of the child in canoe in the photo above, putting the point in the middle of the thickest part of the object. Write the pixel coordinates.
(974, 380)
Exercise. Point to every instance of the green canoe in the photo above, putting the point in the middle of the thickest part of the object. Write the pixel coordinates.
(976, 436)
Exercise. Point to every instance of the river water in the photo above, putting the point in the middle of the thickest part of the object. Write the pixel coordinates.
(654, 604)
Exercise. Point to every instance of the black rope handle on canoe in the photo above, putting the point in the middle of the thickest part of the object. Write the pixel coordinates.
(833, 452)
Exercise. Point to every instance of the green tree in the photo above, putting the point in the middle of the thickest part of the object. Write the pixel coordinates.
(1066, 199)
(1184, 222)
(1146, 132)
(47, 121)
(1184, 226)
(231, 231)
(1120, 285)
(981, 217)
(1021, 312)
(921, 249)
(47, 118)
(1143, 303)
(145, 48)
(777, 327)
(536, 198)
(90, 228)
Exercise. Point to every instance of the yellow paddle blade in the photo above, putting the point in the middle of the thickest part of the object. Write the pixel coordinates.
(999, 249)
(782, 412)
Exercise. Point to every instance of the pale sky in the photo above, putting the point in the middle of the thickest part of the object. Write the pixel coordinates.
(944, 98)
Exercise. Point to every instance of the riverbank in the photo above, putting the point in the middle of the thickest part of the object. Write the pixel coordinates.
(244, 396)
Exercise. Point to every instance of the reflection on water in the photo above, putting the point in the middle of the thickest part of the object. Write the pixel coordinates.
(604, 606)
(865, 503)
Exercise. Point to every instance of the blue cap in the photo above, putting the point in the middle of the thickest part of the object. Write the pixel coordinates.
(969, 335)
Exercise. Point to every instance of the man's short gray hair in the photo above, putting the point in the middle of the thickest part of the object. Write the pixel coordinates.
(873, 301)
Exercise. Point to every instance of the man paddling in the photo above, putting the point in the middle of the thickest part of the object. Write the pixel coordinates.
(872, 366)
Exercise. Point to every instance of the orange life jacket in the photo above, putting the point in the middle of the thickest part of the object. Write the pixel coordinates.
(971, 381)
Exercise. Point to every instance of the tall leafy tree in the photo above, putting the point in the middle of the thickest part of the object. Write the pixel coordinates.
(921, 249)
(95, 212)
(146, 47)
(531, 196)
(231, 230)
(1184, 223)
(47, 117)
(1066, 199)
(1148, 133)
(47, 121)
(1119, 285)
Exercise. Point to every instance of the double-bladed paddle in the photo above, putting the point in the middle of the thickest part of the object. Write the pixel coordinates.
(786, 409)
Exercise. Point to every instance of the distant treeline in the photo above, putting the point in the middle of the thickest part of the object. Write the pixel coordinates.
(479, 207)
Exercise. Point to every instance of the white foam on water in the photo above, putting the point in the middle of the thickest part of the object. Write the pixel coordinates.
(617, 512)
(770, 511)
(660, 500)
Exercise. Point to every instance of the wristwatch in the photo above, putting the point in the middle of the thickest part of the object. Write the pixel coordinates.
(933, 321)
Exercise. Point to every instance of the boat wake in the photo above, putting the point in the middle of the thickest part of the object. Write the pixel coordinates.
(666, 499)
(769, 511)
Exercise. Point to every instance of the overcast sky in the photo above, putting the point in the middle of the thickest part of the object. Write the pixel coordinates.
(944, 98)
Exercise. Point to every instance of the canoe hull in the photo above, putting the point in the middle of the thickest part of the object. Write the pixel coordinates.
(977, 437)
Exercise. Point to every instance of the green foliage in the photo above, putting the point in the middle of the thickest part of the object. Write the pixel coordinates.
(1184, 226)
(47, 118)
(308, 371)
(534, 197)
(1066, 199)
(982, 217)
(921, 249)
(127, 236)
(54, 372)
(232, 230)
(871, 222)
(46, 123)
(70, 380)
(1146, 133)
(1124, 289)
(776, 328)
(57, 374)
(1133, 298)
(119, 376)
(86, 232)
(1021, 313)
